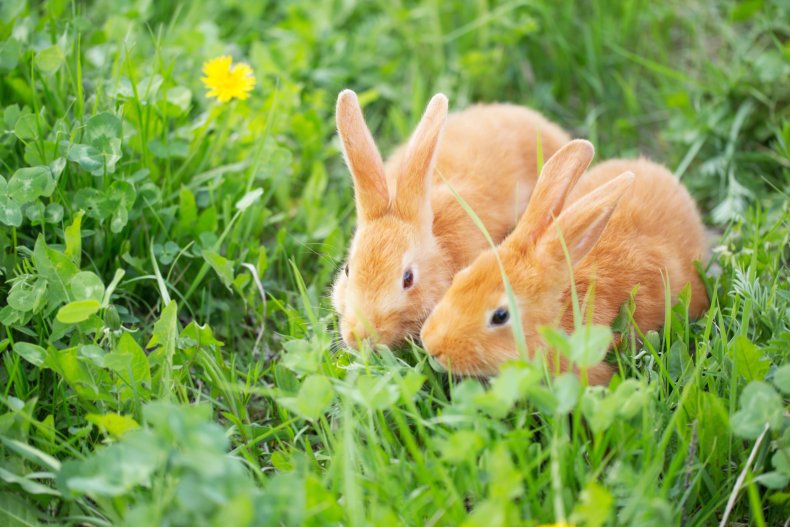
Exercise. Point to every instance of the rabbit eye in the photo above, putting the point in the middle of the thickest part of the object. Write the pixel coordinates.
(345, 269)
(408, 279)
(500, 316)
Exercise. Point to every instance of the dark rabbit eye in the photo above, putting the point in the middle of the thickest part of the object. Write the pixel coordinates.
(500, 316)
(408, 279)
(345, 269)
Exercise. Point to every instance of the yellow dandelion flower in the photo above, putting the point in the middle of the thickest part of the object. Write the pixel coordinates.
(226, 81)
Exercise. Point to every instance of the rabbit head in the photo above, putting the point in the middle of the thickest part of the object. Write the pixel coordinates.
(396, 270)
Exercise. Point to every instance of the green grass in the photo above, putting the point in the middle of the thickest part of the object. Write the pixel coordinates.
(144, 381)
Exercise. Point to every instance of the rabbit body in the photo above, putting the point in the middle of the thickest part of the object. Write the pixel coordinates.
(626, 223)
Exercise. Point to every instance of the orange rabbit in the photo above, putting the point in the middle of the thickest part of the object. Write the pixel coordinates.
(412, 234)
(627, 223)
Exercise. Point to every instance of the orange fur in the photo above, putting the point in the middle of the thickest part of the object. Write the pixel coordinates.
(408, 217)
(621, 230)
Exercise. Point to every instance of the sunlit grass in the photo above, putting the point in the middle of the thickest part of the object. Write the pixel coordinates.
(145, 311)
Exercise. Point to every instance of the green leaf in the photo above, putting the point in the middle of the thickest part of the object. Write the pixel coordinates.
(124, 192)
(56, 268)
(49, 60)
(782, 379)
(630, 398)
(26, 127)
(93, 353)
(781, 459)
(750, 363)
(88, 381)
(101, 149)
(567, 388)
(73, 236)
(772, 480)
(602, 408)
(35, 456)
(10, 212)
(28, 484)
(487, 513)
(594, 506)
(376, 392)
(207, 221)
(301, 356)
(9, 53)
(95, 203)
(24, 297)
(411, 384)
(130, 363)
(164, 337)
(180, 97)
(461, 446)
(29, 183)
(57, 166)
(113, 424)
(102, 127)
(557, 340)
(146, 88)
(221, 265)
(589, 345)
(78, 311)
(508, 387)
(116, 279)
(17, 512)
(760, 404)
(121, 195)
(34, 212)
(679, 360)
(85, 285)
(314, 396)
(34, 354)
(54, 213)
(116, 469)
(119, 219)
(88, 157)
(187, 210)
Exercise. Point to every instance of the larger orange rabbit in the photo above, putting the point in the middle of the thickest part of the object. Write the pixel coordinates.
(412, 234)
(627, 223)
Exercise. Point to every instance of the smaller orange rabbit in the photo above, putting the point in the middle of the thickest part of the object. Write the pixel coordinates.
(627, 223)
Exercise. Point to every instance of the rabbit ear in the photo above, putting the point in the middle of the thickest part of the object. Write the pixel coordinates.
(557, 179)
(362, 157)
(582, 223)
(412, 194)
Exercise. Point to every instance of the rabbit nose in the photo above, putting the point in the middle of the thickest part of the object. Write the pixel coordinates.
(430, 339)
(360, 331)
(357, 331)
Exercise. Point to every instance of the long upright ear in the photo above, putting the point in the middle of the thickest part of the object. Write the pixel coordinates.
(362, 157)
(412, 193)
(581, 224)
(557, 179)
